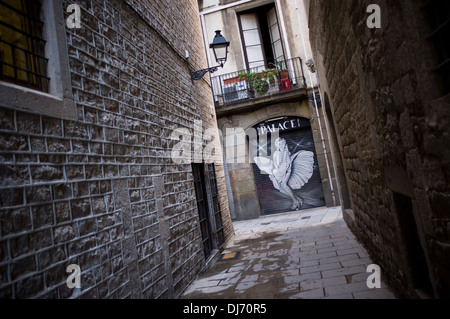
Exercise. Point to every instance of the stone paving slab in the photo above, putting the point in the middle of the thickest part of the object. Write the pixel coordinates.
(309, 254)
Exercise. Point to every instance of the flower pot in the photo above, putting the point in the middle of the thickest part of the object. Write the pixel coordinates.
(284, 74)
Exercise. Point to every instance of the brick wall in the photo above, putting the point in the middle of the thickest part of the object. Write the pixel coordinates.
(101, 190)
(392, 122)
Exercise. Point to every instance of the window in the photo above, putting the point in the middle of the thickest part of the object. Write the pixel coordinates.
(437, 12)
(34, 62)
(22, 45)
(261, 37)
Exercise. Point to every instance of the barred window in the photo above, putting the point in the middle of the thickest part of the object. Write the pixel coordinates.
(22, 56)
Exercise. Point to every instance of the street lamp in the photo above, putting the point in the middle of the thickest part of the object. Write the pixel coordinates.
(220, 48)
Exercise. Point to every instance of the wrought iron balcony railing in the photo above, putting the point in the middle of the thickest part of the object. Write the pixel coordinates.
(284, 76)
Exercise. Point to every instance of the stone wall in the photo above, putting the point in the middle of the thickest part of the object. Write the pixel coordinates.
(101, 190)
(392, 122)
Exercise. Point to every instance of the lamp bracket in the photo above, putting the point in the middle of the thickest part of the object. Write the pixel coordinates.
(198, 75)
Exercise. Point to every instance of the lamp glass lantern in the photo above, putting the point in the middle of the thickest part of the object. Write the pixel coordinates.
(220, 48)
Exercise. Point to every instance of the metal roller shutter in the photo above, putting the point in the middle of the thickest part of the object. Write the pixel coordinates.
(298, 135)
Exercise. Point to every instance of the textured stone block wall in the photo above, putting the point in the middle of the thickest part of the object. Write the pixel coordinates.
(101, 190)
(392, 121)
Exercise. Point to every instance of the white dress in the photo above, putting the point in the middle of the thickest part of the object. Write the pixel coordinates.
(299, 166)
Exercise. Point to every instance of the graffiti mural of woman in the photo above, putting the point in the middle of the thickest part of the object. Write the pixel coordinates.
(288, 172)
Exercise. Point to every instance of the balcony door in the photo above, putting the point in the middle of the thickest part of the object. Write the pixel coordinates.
(261, 37)
(251, 34)
(275, 35)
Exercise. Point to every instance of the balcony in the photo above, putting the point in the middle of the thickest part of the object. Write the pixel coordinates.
(259, 85)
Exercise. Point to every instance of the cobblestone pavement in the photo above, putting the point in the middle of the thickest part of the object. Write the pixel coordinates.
(309, 254)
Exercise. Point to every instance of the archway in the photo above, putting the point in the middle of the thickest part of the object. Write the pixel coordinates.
(286, 174)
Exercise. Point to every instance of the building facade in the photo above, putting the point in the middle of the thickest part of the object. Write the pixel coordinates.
(266, 91)
(91, 93)
(386, 90)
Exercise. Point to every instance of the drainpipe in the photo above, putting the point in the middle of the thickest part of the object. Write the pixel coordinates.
(227, 176)
(333, 159)
(283, 29)
(317, 108)
(286, 40)
(205, 39)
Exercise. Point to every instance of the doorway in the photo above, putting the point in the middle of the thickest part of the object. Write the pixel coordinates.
(287, 173)
(210, 214)
(415, 254)
(261, 37)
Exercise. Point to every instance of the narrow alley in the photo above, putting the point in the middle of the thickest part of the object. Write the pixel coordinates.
(300, 255)
(224, 149)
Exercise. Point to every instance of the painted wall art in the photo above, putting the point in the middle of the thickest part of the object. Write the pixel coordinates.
(287, 173)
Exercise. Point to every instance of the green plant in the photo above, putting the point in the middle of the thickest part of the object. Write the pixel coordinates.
(257, 81)
(269, 75)
(281, 69)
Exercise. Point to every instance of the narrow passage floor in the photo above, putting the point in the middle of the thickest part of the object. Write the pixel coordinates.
(309, 254)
